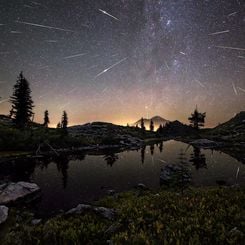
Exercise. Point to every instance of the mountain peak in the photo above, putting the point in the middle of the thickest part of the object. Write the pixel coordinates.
(157, 120)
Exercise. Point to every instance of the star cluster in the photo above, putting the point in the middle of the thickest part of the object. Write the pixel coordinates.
(118, 60)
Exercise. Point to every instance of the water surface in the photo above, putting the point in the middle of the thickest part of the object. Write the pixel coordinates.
(68, 181)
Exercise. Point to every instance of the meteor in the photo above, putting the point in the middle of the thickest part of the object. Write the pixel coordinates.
(234, 88)
(232, 14)
(109, 68)
(234, 48)
(43, 26)
(104, 12)
(243, 90)
(219, 32)
(74, 56)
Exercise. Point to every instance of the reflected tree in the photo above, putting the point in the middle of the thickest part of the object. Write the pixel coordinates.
(184, 177)
(198, 159)
(160, 146)
(110, 158)
(142, 153)
(62, 166)
(152, 147)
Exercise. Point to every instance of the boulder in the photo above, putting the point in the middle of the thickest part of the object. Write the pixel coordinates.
(141, 186)
(12, 192)
(36, 221)
(111, 192)
(3, 214)
(104, 212)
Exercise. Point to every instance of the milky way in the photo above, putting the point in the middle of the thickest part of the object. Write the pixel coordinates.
(118, 60)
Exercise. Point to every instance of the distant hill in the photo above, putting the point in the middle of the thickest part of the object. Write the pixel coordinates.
(234, 129)
(157, 120)
(236, 123)
(5, 120)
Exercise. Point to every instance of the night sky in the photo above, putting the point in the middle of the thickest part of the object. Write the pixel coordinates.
(118, 60)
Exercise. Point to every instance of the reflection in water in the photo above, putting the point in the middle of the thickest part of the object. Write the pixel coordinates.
(142, 153)
(110, 158)
(161, 146)
(78, 178)
(152, 149)
(182, 157)
(62, 166)
(198, 159)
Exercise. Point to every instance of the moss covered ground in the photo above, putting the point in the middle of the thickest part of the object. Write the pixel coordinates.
(197, 216)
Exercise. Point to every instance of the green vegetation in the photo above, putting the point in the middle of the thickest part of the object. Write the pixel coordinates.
(198, 216)
(29, 139)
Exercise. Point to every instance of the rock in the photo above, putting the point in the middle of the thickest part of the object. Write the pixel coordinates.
(11, 192)
(36, 221)
(141, 186)
(107, 213)
(173, 174)
(205, 143)
(111, 192)
(81, 208)
(3, 214)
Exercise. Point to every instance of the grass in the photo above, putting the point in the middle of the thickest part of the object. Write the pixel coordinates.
(199, 216)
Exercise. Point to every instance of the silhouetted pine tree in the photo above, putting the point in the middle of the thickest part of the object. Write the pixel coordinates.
(197, 119)
(151, 126)
(22, 103)
(46, 119)
(160, 129)
(142, 124)
(58, 125)
(64, 120)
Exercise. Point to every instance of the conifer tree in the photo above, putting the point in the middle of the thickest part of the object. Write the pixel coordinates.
(46, 119)
(22, 103)
(160, 129)
(64, 120)
(151, 126)
(142, 124)
(197, 119)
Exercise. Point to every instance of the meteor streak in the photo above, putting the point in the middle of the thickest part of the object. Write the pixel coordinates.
(243, 90)
(109, 68)
(219, 32)
(104, 12)
(43, 26)
(234, 88)
(234, 48)
(74, 56)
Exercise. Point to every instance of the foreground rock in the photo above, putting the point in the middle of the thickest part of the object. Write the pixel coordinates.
(3, 214)
(174, 175)
(104, 212)
(12, 192)
(205, 143)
